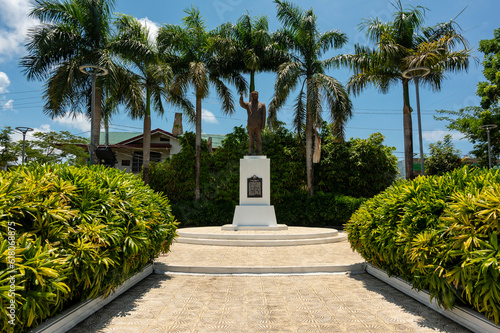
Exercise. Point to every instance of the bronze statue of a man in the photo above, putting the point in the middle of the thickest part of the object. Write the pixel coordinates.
(256, 121)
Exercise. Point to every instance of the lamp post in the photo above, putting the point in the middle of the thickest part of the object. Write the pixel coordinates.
(94, 72)
(415, 74)
(488, 128)
(24, 130)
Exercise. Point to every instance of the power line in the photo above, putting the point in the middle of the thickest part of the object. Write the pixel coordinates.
(20, 92)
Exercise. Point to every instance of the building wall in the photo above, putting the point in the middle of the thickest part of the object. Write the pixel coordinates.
(125, 158)
(121, 157)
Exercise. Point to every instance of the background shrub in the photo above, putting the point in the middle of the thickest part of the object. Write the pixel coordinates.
(336, 178)
(358, 167)
(320, 210)
(79, 232)
(440, 233)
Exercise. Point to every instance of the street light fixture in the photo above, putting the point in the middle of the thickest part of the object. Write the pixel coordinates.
(93, 71)
(415, 74)
(488, 128)
(24, 130)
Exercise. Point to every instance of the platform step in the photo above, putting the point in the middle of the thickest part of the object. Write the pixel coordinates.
(328, 233)
(261, 242)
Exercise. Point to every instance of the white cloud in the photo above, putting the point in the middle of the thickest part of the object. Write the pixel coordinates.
(208, 117)
(9, 105)
(438, 135)
(79, 121)
(15, 25)
(17, 136)
(152, 27)
(4, 82)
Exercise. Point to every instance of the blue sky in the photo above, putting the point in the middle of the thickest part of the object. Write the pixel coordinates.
(21, 102)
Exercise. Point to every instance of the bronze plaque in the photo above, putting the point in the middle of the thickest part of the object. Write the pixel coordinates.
(254, 187)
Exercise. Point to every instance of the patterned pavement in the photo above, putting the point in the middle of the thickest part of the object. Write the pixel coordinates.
(264, 303)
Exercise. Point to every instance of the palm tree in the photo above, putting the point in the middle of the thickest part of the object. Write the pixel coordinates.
(151, 78)
(254, 49)
(188, 51)
(306, 72)
(403, 44)
(71, 34)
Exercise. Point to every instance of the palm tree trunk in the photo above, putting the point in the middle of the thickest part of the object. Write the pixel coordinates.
(97, 121)
(408, 131)
(197, 165)
(252, 81)
(309, 147)
(146, 139)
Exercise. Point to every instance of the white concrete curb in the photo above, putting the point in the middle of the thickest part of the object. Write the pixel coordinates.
(71, 317)
(161, 268)
(468, 318)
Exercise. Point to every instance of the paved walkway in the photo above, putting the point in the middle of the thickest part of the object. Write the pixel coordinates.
(264, 303)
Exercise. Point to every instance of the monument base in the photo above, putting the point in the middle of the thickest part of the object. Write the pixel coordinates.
(254, 215)
(255, 210)
(233, 227)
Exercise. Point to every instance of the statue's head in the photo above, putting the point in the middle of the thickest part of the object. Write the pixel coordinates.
(254, 96)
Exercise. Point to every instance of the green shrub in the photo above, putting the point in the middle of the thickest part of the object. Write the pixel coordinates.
(320, 210)
(79, 232)
(358, 167)
(203, 213)
(438, 233)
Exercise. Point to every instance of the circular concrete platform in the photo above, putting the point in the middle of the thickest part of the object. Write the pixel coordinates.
(292, 236)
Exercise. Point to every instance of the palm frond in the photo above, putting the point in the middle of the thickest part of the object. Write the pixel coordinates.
(329, 39)
(339, 104)
(172, 38)
(300, 110)
(288, 77)
(193, 20)
(289, 14)
(224, 94)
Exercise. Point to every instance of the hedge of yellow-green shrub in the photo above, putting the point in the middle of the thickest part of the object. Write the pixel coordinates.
(71, 233)
(440, 233)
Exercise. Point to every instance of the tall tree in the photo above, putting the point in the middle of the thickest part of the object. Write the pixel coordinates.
(151, 78)
(71, 34)
(403, 44)
(468, 121)
(7, 148)
(490, 91)
(188, 50)
(300, 34)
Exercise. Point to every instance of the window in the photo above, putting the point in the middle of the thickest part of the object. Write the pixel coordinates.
(125, 162)
(137, 160)
(164, 139)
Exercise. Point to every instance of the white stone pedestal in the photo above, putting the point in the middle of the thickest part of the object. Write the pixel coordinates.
(255, 210)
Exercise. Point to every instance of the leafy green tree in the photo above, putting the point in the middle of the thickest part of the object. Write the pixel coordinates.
(306, 71)
(490, 91)
(468, 120)
(150, 79)
(188, 50)
(403, 44)
(71, 34)
(7, 147)
(443, 157)
(55, 147)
